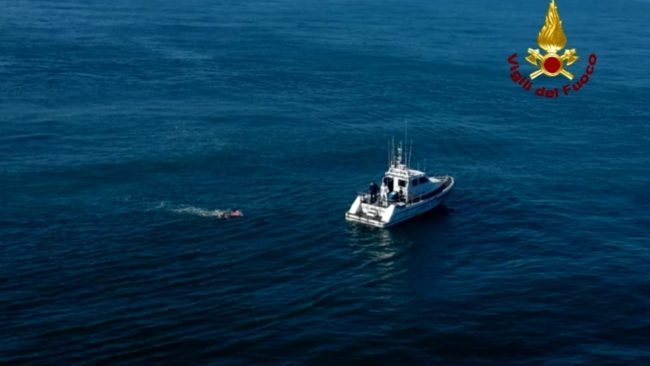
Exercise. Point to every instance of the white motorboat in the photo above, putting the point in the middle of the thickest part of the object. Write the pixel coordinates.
(404, 194)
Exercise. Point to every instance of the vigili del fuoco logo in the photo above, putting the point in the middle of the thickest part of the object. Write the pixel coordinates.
(551, 39)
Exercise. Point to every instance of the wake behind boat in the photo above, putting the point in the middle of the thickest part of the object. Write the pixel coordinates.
(219, 214)
(404, 194)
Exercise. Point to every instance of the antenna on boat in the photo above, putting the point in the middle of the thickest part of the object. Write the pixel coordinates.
(406, 130)
(392, 151)
(388, 152)
(398, 159)
(406, 142)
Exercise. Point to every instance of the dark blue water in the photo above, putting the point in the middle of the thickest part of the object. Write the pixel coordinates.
(124, 125)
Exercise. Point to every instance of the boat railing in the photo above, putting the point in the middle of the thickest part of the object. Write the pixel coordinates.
(365, 198)
(365, 195)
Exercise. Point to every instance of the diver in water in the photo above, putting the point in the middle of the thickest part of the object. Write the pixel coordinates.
(226, 214)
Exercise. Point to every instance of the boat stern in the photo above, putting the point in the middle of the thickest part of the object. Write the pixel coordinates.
(370, 214)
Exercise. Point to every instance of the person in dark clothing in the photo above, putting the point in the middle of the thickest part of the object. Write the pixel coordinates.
(374, 189)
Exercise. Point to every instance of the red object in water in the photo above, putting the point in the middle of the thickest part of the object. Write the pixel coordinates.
(236, 213)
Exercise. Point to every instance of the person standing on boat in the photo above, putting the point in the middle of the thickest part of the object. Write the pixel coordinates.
(374, 189)
(383, 192)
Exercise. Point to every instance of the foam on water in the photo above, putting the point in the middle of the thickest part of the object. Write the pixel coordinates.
(196, 211)
(202, 212)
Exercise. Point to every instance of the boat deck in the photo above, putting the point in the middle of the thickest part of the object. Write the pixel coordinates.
(366, 219)
(365, 196)
(381, 205)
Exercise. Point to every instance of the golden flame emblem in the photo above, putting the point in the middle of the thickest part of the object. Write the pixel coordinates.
(552, 39)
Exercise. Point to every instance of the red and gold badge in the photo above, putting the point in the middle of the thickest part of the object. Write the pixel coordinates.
(552, 39)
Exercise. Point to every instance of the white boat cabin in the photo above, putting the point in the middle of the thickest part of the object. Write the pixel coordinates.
(401, 184)
(406, 185)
